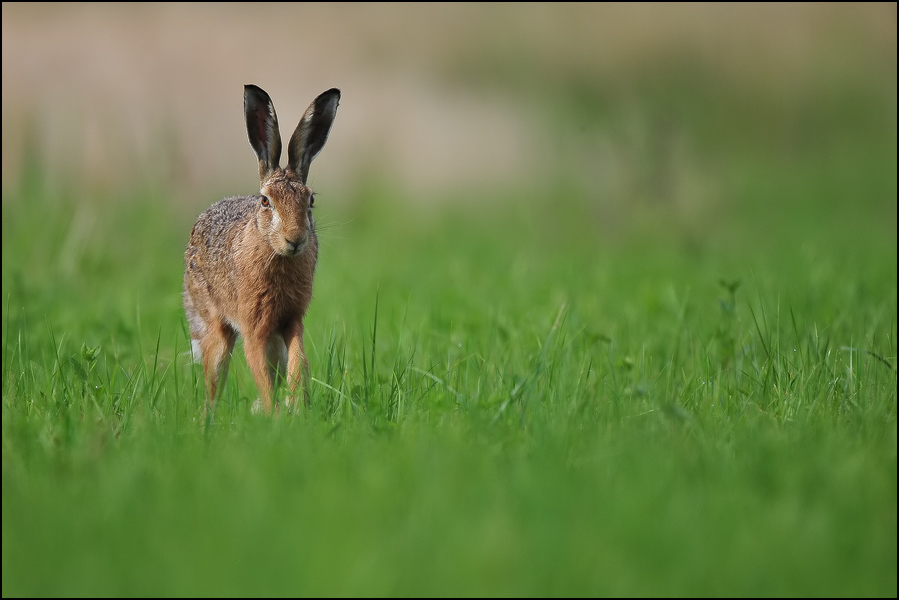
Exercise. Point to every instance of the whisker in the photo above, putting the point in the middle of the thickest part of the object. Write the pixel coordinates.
(268, 262)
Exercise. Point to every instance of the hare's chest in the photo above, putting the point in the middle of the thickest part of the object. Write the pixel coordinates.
(280, 300)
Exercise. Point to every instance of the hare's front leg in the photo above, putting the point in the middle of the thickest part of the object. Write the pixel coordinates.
(297, 364)
(277, 360)
(256, 347)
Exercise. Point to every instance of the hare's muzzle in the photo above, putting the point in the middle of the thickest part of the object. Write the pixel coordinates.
(294, 247)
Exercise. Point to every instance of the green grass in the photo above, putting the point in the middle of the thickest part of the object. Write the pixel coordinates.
(544, 390)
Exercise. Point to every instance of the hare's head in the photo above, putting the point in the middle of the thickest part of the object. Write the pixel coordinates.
(284, 212)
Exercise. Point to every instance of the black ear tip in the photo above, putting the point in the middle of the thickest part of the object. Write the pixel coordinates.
(254, 90)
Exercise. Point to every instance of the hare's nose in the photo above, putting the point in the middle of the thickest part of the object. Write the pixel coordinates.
(292, 245)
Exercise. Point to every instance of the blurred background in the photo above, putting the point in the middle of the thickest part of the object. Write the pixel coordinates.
(621, 104)
(746, 140)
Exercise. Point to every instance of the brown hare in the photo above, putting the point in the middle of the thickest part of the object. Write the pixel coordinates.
(250, 261)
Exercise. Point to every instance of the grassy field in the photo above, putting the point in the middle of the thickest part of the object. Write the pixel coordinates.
(675, 384)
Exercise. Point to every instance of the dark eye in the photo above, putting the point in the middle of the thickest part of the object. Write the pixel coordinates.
(265, 202)
(311, 200)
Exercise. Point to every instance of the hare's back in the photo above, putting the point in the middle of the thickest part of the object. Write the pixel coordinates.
(218, 225)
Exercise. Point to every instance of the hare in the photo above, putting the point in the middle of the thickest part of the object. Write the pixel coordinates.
(250, 261)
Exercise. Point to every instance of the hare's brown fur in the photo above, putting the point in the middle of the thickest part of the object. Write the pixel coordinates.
(250, 261)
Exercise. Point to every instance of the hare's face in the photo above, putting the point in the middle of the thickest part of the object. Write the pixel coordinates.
(284, 214)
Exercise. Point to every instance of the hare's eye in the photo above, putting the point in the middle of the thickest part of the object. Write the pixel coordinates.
(265, 202)
(311, 200)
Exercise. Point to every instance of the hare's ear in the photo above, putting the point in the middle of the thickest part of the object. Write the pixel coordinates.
(311, 134)
(262, 129)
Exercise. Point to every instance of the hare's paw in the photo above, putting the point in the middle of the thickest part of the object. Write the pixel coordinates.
(292, 404)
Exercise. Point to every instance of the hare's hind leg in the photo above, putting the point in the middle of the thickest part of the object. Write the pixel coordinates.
(211, 339)
(216, 344)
